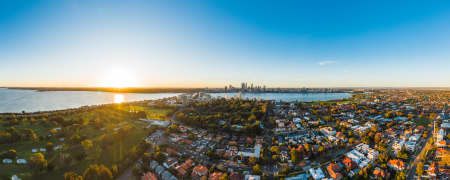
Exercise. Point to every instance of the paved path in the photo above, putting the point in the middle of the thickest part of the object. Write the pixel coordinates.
(412, 171)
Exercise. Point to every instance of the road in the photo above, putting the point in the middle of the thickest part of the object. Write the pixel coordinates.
(172, 118)
(412, 170)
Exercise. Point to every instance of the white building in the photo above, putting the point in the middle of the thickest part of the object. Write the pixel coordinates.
(410, 146)
(316, 173)
(414, 138)
(21, 161)
(397, 146)
(256, 152)
(252, 177)
(372, 154)
(328, 131)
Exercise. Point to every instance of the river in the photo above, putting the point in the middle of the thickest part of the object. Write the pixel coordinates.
(16, 100)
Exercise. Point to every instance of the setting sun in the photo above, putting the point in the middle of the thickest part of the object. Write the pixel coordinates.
(119, 78)
(119, 98)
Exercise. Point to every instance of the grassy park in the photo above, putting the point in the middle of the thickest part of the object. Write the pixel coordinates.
(110, 135)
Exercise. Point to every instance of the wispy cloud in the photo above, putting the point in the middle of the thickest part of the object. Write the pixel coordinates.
(324, 63)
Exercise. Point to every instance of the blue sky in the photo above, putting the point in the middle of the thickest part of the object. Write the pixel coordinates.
(214, 43)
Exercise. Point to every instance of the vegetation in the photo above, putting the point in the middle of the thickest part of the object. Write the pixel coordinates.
(85, 143)
(246, 116)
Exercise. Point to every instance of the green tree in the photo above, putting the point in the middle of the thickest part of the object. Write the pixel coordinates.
(224, 177)
(160, 157)
(97, 172)
(49, 146)
(72, 176)
(419, 169)
(400, 176)
(256, 169)
(38, 162)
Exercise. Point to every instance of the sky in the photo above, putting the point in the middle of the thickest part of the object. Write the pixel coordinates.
(170, 43)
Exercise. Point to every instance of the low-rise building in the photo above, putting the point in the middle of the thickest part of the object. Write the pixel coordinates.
(396, 164)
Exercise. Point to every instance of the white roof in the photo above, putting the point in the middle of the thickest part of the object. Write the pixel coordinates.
(445, 125)
(316, 173)
(21, 161)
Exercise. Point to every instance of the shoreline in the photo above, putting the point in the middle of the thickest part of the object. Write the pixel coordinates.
(160, 90)
(114, 90)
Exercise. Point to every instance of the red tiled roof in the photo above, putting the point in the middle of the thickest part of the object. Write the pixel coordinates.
(200, 170)
(149, 176)
(215, 176)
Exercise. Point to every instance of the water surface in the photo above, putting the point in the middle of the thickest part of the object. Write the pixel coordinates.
(287, 97)
(15, 100)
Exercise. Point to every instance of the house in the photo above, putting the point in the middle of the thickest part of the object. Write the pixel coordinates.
(378, 173)
(167, 176)
(356, 156)
(410, 146)
(15, 177)
(349, 164)
(187, 164)
(333, 170)
(172, 152)
(215, 176)
(252, 177)
(236, 176)
(7, 161)
(328, 131)
(396, 164)
(300, 177)
(372, 154)
(149, 176)
(57, 147)
(170, 162)
(199, 171)
(397, 146)
(181, 171)
(316, 173)
(432, 170)
(21, 161)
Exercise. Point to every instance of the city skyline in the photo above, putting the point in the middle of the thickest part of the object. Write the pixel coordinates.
(213, 44)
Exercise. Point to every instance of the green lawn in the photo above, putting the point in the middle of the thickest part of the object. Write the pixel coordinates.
(422, 121)
(110, 156)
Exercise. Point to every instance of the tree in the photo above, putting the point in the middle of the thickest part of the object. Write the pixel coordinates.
(49, 146)
(97, 172)
(137, 171)
(72, 176)
(275, 149)
(115, 170)
(419, 169)
(160, 157)
(252, 160)
(87, 144)
(402, 154)
(400, 176)
(38, 161)
(256, 169)
(10, 154)
(224, 177)
(295, 155)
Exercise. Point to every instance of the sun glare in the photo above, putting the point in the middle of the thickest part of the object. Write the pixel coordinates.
(119, 98)
(119, 78)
